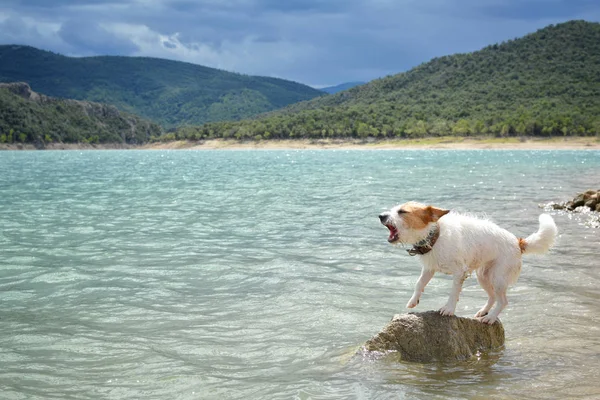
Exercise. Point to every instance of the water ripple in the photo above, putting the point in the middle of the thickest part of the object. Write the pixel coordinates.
(257, 274)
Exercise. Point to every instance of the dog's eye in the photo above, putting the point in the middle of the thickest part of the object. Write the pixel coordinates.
(402, 211)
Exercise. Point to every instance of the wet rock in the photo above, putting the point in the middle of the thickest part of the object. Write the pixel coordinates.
(429, 336)
(598, 208)
(592, 201)
(578, 201)
(589, 199)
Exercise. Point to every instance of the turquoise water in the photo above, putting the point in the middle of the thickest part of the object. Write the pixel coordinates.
(257, 274)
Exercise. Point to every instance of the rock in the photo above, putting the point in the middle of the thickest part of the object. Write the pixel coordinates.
(578, 201)
(429, 336)
(592, 201)
(589, 198)
(87, 115)
(598, 207)
(21, 89)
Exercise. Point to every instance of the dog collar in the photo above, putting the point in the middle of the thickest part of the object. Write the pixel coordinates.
(425, 245)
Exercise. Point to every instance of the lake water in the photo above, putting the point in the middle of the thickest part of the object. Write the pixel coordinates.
(257, 274)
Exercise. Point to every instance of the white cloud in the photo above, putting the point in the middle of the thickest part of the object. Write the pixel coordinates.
(251, 55)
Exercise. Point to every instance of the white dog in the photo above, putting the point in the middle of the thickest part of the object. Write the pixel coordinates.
(458, 244)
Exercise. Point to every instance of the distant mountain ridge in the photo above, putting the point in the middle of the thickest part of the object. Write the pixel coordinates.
(545, 83)
(30, 117)
(341, 87)
(171, 93)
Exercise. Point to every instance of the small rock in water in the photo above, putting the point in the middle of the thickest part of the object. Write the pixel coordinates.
(578, 201)
(582, 202)
(592, 201)
(557, 206)
(429, 336)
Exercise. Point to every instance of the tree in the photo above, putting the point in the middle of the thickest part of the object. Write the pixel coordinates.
(362, 130)
(461, 127)
(478, 128)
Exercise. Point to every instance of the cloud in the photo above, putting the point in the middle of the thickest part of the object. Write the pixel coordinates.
(247, 56)
(319, 42)
(15, 29)
(89, 38)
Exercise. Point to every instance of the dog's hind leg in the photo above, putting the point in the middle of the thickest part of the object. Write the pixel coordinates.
(501, 303)
(499, 280)
(457, 283)
(484, 281)
(501, 275)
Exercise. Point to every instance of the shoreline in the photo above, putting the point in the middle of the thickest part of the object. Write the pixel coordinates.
(441, 143)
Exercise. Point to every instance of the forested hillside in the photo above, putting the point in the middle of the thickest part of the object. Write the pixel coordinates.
(546, 83)
(168, 92)
(29, 117)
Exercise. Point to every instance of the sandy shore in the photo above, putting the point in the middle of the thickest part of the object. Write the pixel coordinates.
(571, 143)
(555, 143)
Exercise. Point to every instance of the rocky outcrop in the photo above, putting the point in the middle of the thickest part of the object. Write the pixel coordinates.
(589, 199)
(32, 118)
(90, 108)
(429, 336)
(22, 89)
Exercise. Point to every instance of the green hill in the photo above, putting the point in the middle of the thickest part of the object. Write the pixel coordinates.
(546, 83)
(171, 93)
(29, 117)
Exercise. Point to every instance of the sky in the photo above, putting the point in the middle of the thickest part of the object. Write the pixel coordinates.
(315, 42)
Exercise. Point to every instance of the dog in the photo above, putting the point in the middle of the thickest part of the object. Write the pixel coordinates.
(458, 244)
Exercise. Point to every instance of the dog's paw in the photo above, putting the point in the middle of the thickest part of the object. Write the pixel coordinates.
(447, 310)
(481, 313)
(412, 303)
(487, 319)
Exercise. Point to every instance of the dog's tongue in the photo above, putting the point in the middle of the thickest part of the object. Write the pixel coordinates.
(393, 232)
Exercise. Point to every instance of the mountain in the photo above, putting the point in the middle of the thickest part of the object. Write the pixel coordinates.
(341, 87)
(545, 83)
(171, 93)
(30, 117)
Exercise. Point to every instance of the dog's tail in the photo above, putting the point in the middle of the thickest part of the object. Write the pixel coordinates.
(542, 240)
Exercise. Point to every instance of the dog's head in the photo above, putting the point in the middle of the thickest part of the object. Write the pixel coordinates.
(410, 222)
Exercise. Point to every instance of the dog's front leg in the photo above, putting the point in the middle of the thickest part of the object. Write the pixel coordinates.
(457, 283)
(426, 275)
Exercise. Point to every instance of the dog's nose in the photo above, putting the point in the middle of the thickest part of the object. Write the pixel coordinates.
(383, 217)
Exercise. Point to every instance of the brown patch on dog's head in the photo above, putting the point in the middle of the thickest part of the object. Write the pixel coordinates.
(418, 216)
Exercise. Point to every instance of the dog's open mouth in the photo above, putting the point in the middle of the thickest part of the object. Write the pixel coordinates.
(393, 233)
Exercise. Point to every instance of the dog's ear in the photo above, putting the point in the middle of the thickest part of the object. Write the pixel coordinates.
(436, 213)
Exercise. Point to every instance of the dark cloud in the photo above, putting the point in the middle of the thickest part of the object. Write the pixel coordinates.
(533, 10)
(61, 3)
(512, 9)
(16, 30)
(89, 38)
(317, 42)
(322, 6)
